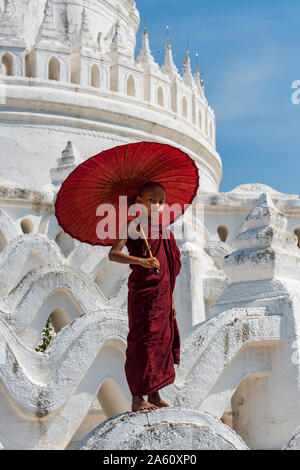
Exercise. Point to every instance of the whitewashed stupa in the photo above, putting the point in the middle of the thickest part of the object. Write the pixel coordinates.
(70, 87)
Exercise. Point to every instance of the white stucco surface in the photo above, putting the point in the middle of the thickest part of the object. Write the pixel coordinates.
(70, 86)
(163, 429)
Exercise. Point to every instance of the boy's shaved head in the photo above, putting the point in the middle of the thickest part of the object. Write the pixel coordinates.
(148, 186)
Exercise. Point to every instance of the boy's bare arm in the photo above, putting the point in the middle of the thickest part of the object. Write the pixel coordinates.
(173, 307)
(115, 254)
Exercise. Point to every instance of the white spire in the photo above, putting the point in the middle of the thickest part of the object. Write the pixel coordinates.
(116, 39)
(186, 69)
(69, 160)
(9, 9)
(9, 26)
(48, 30)
(169, 67)
(118, 45)
(84, 22)
(145, 57)
(85, 35)
(85, 27)
(198, 77)
(202, 82)
(197, 74)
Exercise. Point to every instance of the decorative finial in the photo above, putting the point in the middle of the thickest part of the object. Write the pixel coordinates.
(145, 57)
(48, 31)
(169, 67)
(9, 8)
(202, 79)
(85, 36)
(187, 71)
(69, 160)
(9, 25)
(84, 20)
(197, 73)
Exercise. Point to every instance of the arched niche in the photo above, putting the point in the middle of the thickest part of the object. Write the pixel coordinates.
(95, 76)
(200, 120)
(297, 233)
(65, 242)
(33, 260)
(59, 303)
(46, 337)
(112, 80)
(75, 71)
(27, 225)
(59, 319)
(227, 416)
(2, 241)
(54, 69)
(112, 399)
(184, 107)
(223, 232)
(109, 402)
(160, 96)
(7, 64)
(28, 66)
(245, 409)
(130, 86)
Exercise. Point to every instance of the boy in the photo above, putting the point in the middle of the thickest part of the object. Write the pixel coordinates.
(153, 341)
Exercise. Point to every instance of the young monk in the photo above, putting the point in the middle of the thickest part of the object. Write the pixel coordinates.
(153, 341)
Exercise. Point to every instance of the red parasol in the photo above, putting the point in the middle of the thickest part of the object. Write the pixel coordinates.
(121, 171)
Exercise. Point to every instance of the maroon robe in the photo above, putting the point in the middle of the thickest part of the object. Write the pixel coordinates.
(153, 341)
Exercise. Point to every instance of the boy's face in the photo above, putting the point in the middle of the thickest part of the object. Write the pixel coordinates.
(155, 196)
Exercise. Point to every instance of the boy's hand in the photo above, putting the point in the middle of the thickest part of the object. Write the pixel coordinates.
(149, 263)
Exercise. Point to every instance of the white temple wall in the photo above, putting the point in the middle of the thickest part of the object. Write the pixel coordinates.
(238, 301)
(103, 15)
(15, 59)
(233, 219)
(50, 133)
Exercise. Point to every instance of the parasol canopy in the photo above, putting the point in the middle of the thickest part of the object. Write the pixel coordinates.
(121, 171)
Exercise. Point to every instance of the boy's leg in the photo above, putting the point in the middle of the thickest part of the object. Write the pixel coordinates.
(138, 403)
(157, 400)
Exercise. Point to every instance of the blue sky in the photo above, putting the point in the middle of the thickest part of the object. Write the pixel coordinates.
(249, 53)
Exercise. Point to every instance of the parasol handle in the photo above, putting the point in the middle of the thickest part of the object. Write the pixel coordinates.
(155, 270)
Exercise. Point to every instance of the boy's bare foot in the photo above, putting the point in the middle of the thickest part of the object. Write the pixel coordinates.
(138, 404)
(157, 400)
